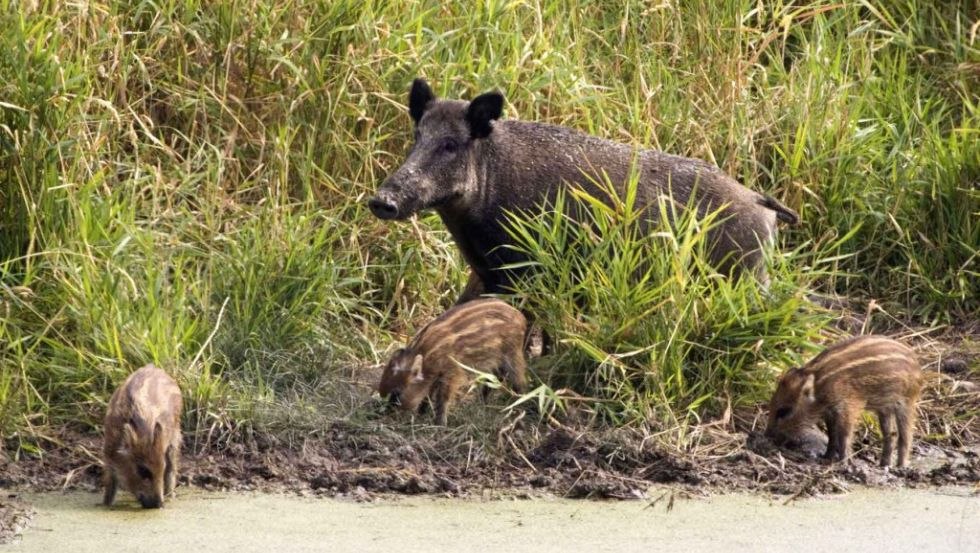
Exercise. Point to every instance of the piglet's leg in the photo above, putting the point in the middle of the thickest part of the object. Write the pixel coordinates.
(517, 371)
(441, 418)
(170, 472)
(441, 400)
(508, 373)
(830, 420)
(485, 392)
(905, 418)
(840, 427)
(111, 482)
(847, 422)
(449, 389)
(887, 421)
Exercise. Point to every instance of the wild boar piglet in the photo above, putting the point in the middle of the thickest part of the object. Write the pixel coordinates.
(486, 335)
(142, 437)
(867, 372)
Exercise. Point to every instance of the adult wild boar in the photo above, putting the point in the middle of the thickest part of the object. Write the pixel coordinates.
(472, 167)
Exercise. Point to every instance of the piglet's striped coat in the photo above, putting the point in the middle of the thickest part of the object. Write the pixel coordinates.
(486, 335)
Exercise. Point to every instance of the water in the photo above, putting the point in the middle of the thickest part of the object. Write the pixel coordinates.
(901, 520)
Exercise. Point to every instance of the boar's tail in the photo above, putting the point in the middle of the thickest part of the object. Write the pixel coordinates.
(783, 213)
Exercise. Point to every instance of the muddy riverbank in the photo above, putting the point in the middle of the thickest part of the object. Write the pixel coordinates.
(493, 454)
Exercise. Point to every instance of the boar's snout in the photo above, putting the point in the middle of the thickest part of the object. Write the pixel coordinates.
(150, 501)
(383, 208)
(401, 195)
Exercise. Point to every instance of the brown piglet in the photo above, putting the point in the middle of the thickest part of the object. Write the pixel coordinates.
(142, 437)
(867, 372)
(485, 335)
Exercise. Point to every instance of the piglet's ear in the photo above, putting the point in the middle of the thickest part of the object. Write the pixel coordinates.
(158, 444)
(806, 391)
(482, 110)
(127, 443)
(419, 99)
(130, 439)
(417, 369)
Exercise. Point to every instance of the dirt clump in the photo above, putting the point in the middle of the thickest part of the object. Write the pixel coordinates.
(14, 517)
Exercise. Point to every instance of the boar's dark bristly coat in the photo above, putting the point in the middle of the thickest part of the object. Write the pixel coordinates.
(472, 167)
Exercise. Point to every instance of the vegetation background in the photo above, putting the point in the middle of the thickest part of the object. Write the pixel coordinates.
(184, 183)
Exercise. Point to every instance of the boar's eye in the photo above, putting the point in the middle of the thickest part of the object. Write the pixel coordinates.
(144, 472)
(783, 412)
(449, 146)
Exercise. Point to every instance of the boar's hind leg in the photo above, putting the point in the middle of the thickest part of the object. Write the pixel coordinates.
(111, 482)
(887, 421)
(906, 420)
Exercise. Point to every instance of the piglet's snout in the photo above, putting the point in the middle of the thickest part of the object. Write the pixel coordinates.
(395, 399)
(151, 502)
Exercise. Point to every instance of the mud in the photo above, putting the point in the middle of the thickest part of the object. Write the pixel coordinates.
(532, 459)
(15, 516)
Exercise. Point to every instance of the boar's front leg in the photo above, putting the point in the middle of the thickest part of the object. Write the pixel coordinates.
(111, 482)
(473, 290)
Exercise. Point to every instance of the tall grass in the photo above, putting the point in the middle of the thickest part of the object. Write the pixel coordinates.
(183, 182)
(643, 325)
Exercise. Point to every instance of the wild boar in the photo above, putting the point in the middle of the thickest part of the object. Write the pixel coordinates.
(471, 167)
(867, 372)
(142, 437)
(485, 334)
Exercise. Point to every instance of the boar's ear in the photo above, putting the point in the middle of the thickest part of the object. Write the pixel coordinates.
(482, 110)
(806, 391)
(419, 99)
(417, 368)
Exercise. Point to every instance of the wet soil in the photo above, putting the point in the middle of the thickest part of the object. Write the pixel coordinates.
(361, 461)
(15, 515)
